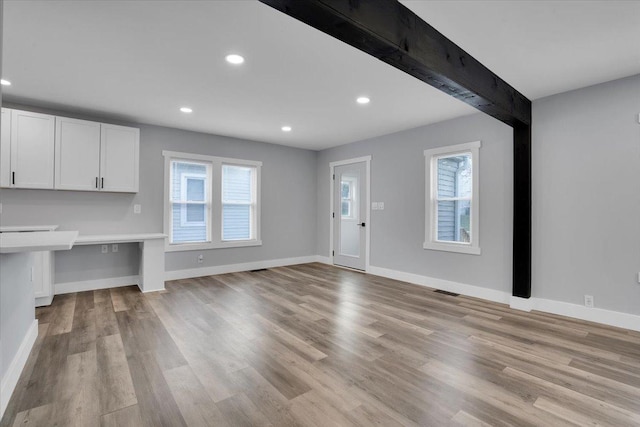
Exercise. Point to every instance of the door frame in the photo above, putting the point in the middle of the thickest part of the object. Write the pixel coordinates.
(367, 239)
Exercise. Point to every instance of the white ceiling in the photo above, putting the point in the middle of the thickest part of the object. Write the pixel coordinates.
(142, 60)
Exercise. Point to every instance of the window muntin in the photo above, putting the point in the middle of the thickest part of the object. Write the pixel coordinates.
(211, 202)
(451, 198)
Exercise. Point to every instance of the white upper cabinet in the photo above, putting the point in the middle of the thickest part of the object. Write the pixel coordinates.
(32, 150)
(77, 154)
(119, 158)
(5, 148)
(43, 151)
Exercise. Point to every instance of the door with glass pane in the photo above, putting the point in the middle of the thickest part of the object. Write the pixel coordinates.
(349, 215)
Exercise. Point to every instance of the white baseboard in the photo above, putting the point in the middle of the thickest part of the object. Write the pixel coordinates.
(234, 268)
(445, 285)
(92, 285)
(11, 377)
(597, 315)
(523, 304)
(323, 259)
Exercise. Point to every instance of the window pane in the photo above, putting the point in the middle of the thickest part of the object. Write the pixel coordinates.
(454, 221)
(346, 211)
(185, 231)
(236, 183)
(195, 213)
(454, 176)
(183, 172)
(237, 199)
(346, 190)
(236, 222)
(195, 189)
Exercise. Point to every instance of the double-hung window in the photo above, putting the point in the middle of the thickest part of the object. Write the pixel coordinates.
(211, 202)
(451, 199)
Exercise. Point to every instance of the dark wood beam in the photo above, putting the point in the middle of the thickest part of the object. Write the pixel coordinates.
(522, 211)
(392, 33)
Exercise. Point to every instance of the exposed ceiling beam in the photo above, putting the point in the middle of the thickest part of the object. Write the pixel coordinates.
(394, 34)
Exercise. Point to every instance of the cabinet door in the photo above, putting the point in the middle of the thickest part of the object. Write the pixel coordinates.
(32, 148)
(77, 154)
(5, 148)
(120, 147)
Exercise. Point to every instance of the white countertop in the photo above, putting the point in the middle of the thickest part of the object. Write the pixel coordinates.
(19, 228)
(97, 239)
(37, 241)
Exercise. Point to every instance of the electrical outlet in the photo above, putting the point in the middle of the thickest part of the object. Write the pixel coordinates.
(588, 301)
(105, 249)
(114, 247)
(381, 206)
(200, 259)
(137, 209)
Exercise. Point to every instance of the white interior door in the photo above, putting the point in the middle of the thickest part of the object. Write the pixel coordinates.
(349, 215)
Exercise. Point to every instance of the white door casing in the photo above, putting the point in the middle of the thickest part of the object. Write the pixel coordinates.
(350, 216)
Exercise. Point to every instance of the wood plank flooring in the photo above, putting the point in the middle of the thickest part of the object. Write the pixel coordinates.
(313, 345)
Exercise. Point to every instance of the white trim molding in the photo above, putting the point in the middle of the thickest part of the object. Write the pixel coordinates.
(445, 285)
(522, 304)
(92, 285)
(11, 377)
(332, 166)
(235, 268)
(432, 156)
(597, 315)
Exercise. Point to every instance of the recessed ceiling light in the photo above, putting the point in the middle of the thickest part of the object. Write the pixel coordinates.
(286, 128)
(5, 82)
(234, 59)
(363, 100)
(186, 110)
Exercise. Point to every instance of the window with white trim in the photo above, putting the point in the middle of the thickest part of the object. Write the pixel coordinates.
(451, 199)
(211, 202)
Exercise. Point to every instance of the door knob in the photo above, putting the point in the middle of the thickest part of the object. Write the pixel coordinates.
(362, 224)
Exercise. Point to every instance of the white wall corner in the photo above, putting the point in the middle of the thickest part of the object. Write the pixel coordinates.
(323, 259)
(11, 377)
(523, 304)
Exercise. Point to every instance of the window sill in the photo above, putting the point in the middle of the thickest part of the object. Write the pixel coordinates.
(205, 246)
(462, 249)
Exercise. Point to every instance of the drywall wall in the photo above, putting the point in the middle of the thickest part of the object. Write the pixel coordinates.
(17, 317)
(88, 263)
(288, 210)
(398, 180)
(586, 196)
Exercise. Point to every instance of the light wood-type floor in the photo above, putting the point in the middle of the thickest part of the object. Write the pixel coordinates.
(315, 345)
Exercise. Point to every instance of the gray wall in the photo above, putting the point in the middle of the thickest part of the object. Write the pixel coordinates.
(16, 305)
(586, 196)
(288, 202)
(398, 180)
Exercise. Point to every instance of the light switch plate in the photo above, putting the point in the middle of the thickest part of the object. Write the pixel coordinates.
(137, 209)
(105, 249)
(374, 206)
(114, 247)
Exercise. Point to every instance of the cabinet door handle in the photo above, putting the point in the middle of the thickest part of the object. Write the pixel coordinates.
(102, 182)
(96, 182)
(13, 178)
